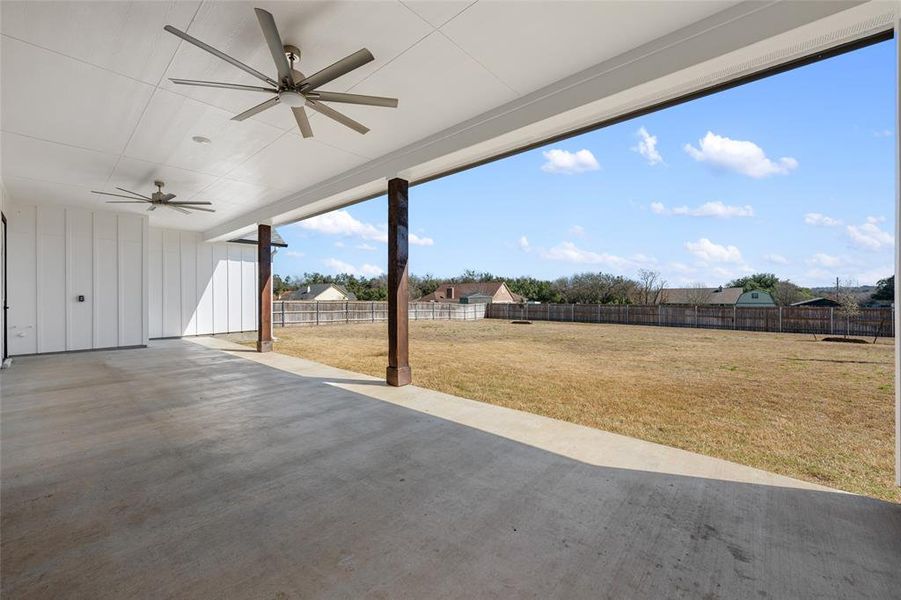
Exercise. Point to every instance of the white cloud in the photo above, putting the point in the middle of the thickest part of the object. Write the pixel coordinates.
(339, 244)
(657, 208)
(741, 156)
(647, 147)
(776, 259)
(870, 236)
(577, 230)
(567, 163)
(883, 133)
(341, 222)
(371, 270)
(709, 251)
(339, 266)
(365, 246)
(293, 254)
(821, 220)
(524, 244)
(821, 259)
(421, 241)
(569, 252)
(715, 209)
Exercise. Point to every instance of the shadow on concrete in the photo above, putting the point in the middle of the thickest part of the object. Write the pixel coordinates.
(228, 478)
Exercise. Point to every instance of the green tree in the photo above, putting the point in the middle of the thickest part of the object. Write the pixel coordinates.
(885, 289)
(758, 281)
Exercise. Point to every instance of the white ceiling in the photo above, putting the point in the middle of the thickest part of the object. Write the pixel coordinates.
(112, 118)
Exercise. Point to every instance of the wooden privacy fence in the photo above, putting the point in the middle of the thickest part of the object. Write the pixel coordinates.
(785, 319)
(296, 313)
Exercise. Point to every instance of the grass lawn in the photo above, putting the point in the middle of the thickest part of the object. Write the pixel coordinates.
(820, 411)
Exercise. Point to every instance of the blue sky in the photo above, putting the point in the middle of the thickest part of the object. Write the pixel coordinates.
(792, 174)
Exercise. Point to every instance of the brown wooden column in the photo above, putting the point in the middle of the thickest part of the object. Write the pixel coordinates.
(264, 268)
(398, 372)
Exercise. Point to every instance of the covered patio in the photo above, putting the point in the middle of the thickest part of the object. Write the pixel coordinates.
(247, 475)
(144, 457)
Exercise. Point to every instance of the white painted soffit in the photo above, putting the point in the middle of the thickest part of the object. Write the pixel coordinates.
(734, 43)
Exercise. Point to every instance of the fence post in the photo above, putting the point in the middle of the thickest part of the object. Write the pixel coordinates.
(734, 317)
(317, 312)
(372, 310)
(525, 311)
(780, 319)
(831, 320)
(572, 312)
(627, 314)
(283, 313)
(659, 315)
(696, 316)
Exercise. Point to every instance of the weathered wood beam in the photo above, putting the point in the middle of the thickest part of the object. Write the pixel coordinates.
(264, 268)
(398, 372)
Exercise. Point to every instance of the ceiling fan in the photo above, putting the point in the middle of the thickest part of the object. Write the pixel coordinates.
(156, 199)
(292, 88)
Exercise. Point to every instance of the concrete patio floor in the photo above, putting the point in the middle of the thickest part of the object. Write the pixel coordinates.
(197, 469)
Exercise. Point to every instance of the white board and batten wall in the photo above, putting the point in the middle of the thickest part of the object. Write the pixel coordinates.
(58, 254)
(200, 288)
(137, 282)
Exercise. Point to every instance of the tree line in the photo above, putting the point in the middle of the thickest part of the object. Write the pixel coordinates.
(580, 288)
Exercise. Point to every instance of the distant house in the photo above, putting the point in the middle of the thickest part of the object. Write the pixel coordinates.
(719, 296)
(494, 292)
(756, 298)
(827, 302)
(319, 292)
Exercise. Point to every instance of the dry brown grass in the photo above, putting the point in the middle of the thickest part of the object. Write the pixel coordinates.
(817, 411)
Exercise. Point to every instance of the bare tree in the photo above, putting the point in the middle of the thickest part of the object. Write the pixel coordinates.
(786, 293)
(650, 286)
(697, 293)
(849, 305)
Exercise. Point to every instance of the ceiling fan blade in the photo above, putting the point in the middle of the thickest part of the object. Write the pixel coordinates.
(355, 99)
(134, 193)
(151, 208)
(186, 202)
(126, 201)
(336, 70)
(256, 109)
(276, 48)
(334, 114)
(181, 210)
(302, 121)
(118, 195)
(219, 54)
(167, 197)
(228, 86)
(197, 208)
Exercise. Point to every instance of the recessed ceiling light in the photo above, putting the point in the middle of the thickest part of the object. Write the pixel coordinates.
(201, 140)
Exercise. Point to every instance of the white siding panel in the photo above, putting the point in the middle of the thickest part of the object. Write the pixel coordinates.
(248, 288)
(58, 254)
(131, 280)
(156, 283)
(199, 288)
(51, 279)
(235, 260)
(171, 284)
(189, 283)
(22, 284)
(220, 288)
(106, 280)
(204, 288)
(80, 279)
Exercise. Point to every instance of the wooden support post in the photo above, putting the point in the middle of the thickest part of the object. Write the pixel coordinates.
(398, 372)
(264, 268)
